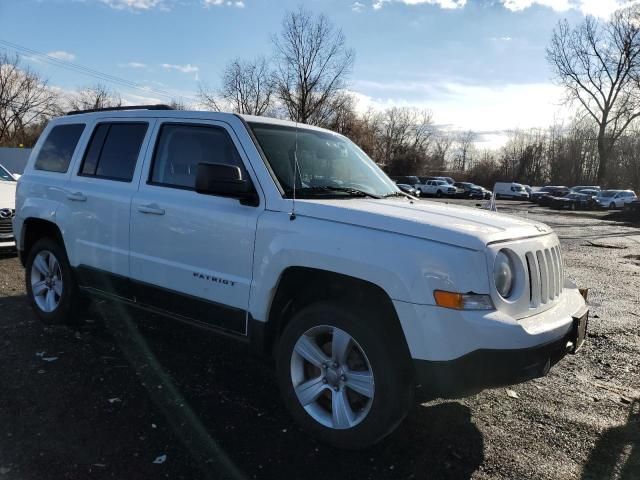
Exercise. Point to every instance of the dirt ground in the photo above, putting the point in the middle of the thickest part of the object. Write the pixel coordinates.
(135, 396)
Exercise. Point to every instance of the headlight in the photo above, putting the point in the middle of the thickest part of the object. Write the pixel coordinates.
(503, 274)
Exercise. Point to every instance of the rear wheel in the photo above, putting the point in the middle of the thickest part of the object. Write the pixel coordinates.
(439, 193)
(50, 284)
(343, 375)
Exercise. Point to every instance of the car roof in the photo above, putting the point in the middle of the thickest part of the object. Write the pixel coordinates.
(136, 112)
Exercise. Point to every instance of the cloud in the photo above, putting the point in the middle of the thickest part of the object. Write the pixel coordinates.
(598, 8)
(449, 4)
(133, 65)
(220, 3)
(357, 6)
(62, 55)
(188, 68)
(139, 5)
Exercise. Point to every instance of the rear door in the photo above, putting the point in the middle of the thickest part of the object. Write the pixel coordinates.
(99, 197)
(192, 254)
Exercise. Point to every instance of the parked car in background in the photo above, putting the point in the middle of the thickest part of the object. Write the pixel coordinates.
(573, 201)
(487, 194)
(615, 198)
(581, 188)
(588, 191)
(449, 180)
(545, 200)
(424, 179)
(407, 180)
(542, 196)
(7, 207)
(510, 190)
(468, 190)
(528, 189)
(632, 208)
(437, 188)
(410, 189)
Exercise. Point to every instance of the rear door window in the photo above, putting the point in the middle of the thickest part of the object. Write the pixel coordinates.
(57, 150)
(113, 151)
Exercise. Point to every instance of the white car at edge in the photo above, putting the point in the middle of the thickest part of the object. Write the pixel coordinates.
(7, 207)
(366, 298)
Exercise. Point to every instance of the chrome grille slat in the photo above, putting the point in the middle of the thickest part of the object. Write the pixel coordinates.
(545, 274)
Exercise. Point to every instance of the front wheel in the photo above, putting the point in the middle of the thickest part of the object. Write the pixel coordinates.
(439, 193)
(51, 287)
(343, 375)
(612, 206)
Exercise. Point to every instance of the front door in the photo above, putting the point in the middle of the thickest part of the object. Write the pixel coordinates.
(192, 254)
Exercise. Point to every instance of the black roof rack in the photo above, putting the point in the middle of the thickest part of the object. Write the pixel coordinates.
(126, 107)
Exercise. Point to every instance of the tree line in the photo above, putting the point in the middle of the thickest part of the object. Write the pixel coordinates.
(306, 79)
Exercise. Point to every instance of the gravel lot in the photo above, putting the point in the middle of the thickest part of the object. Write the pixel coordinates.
(108, 399)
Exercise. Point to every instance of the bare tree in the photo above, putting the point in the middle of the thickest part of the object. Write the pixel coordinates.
(441, 145)
(246, 86)
(96, 96)
(312, 66)
(25, 100)
(464, 146)
(598, 63)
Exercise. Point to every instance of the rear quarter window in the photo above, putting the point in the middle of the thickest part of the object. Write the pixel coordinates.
(57, 149)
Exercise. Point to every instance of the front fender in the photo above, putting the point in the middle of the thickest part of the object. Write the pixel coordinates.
(407, 268)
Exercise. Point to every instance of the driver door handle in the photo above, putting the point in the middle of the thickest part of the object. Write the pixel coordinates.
(77, 197)
(151, 209)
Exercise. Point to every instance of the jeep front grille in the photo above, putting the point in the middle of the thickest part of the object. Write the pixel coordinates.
(546, 276)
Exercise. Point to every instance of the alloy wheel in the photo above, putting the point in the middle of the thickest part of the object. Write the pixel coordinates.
(332, 377)
(46, 281)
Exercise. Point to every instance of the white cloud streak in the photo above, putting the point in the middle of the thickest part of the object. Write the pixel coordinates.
(220, 3)
(598, 8)
(188, 68)
(136, 5)
(62, 55)
(137, 65)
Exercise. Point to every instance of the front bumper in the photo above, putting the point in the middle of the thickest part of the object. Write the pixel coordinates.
(465, 351)
(488, 368)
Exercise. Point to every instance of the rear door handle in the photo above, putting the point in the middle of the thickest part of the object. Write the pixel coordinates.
(77, 197)
(151, 209)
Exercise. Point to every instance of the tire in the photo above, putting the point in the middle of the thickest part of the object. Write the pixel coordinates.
(572, 206)
(372, 412)
(439, 193)
(612, 206)
(61, 301)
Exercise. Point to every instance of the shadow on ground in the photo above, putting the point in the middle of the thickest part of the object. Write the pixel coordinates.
(617, 451)
(112, 395)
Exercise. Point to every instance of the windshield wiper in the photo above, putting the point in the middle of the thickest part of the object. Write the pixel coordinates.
(398, 194)
(354, 192)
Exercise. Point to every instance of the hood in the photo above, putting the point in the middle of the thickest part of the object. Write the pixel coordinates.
(465, 227)
(7, 194)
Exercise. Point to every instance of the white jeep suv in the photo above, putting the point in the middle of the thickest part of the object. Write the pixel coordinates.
(288, 237)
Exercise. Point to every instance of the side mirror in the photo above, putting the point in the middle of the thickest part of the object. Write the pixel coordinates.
(223, 180)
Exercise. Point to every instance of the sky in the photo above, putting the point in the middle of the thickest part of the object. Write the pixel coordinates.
(476, 64)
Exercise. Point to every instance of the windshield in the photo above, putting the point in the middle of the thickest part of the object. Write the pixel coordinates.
(324, 160)
(5, 175)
